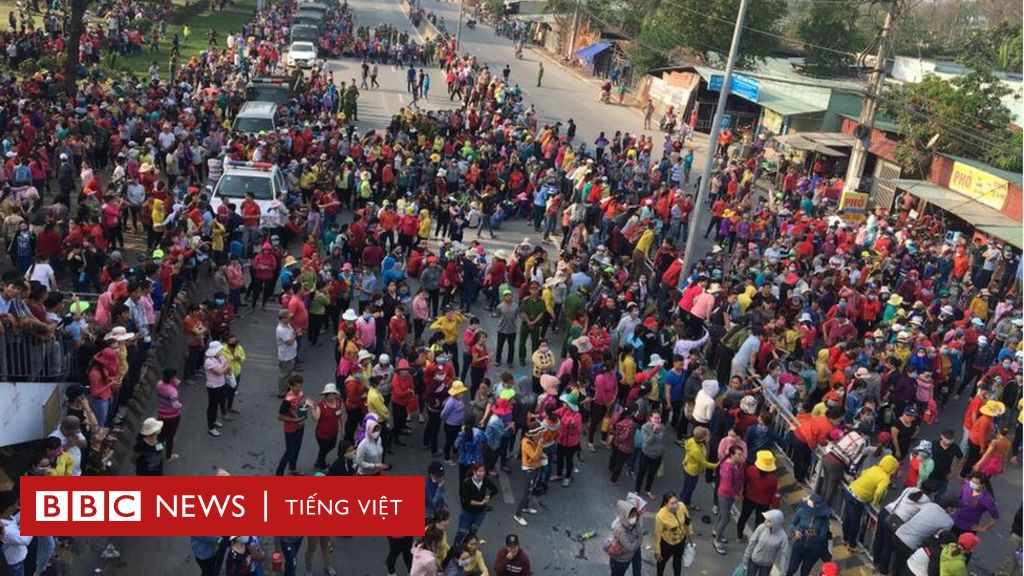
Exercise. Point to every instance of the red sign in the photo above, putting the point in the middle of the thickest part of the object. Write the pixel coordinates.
(190, 506)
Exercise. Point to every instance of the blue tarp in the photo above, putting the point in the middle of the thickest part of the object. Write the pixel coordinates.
(587, 54)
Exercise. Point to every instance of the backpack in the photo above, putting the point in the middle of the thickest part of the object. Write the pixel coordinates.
(849, 449)
(735, 336)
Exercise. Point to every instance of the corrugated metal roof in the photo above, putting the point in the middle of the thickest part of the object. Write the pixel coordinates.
(786, 98)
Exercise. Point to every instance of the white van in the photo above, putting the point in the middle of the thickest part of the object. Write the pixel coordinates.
(256, 117)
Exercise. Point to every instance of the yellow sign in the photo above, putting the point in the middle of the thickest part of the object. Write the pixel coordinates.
(979, 185)
(854, 206)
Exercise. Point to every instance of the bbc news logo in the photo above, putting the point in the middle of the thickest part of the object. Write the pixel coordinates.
(185, 506)
(88, 506)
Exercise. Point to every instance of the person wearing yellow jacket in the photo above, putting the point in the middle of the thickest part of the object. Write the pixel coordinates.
(867, 489)
(448, 324)
(694, 463)
(672, 528)
(234, 355)
(532, 460)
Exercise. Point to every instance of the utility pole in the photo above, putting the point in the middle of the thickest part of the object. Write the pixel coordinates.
(458, 30)
(575, 27)
(869, 107)
(716, 125)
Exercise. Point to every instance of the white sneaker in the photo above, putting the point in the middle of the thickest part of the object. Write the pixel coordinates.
(218, 424)
(214, 432)
(530, 510)
(519, 519)
(566, 482)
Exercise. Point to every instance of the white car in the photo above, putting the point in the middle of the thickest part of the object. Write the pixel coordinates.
(264, 180)
(301, 55)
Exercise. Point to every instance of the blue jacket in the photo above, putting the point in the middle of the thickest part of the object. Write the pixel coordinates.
(435, 499)
(204, 547)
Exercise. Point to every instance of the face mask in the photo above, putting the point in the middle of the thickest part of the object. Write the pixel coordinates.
(976, 486)
(219, 301)
(810, 503)
(632, 520)
(1006, 365)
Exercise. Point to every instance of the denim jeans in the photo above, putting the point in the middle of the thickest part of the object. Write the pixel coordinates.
(44, 551)
(16, 569)
(469, 523)
(689, 485)
(851, 519)
(101, 408)
(291, 557)
(292, 445)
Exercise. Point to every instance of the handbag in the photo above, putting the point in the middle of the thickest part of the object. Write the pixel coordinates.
(892, 520)
(689, 554)
(612, 546)
(231, 381)
(740, 570)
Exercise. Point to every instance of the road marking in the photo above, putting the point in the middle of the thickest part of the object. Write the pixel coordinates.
(401, 6)
(506, 489)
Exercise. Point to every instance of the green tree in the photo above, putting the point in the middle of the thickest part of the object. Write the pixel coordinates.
(704, 27)
(998, 47)
(833, 25)
(963, 116)
(76, 26)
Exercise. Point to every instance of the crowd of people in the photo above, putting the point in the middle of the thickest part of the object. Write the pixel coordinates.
(801, 331)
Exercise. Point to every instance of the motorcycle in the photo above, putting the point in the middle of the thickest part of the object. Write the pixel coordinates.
(667, 124)
(471, 24)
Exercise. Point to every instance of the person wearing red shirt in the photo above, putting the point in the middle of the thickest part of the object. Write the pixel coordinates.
(297, 308)
(398, 332)
(760, 491)
(812, 432)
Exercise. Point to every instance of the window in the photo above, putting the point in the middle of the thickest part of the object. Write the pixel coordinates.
(236, 185)
(253, 125)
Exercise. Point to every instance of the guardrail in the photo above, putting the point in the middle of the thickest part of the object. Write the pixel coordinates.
(781, 421)
(24, 357)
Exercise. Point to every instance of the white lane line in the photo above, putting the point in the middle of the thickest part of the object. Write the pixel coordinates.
(408, 21)
(506, 489)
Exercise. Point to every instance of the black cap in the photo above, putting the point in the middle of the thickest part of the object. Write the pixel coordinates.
(435, 468)
(511, 540)
(74, 391)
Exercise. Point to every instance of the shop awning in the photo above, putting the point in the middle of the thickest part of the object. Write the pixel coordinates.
(587, 54)
(985, 219)
(808, 141)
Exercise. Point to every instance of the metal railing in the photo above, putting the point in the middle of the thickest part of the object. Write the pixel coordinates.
(782, 418)
(24, 357)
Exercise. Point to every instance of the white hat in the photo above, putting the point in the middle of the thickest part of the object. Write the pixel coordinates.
(656, 360)
(947, 310)
(982, 340)
(349, 315)
(384, 359)
(214, 348)
(120, 334)
(329, 388)
(916, 321)
(715, 288)
(805, 317)
(151, 426)
(365, 355)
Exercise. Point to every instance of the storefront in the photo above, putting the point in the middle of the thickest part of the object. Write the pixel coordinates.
(969, 197)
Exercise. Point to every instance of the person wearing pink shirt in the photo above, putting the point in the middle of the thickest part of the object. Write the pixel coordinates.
(420, 313)
(730, 489)
(297, 308)
(606, 386)
(568, 441)
(366, 330)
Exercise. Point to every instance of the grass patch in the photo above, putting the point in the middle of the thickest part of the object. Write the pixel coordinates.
(227, 21)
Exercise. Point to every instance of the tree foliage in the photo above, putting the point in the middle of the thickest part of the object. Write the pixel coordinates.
(998, 47)
(833, 25)
(965, 113)
(702, 28)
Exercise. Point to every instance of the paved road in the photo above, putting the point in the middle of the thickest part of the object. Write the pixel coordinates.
(252, 444)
